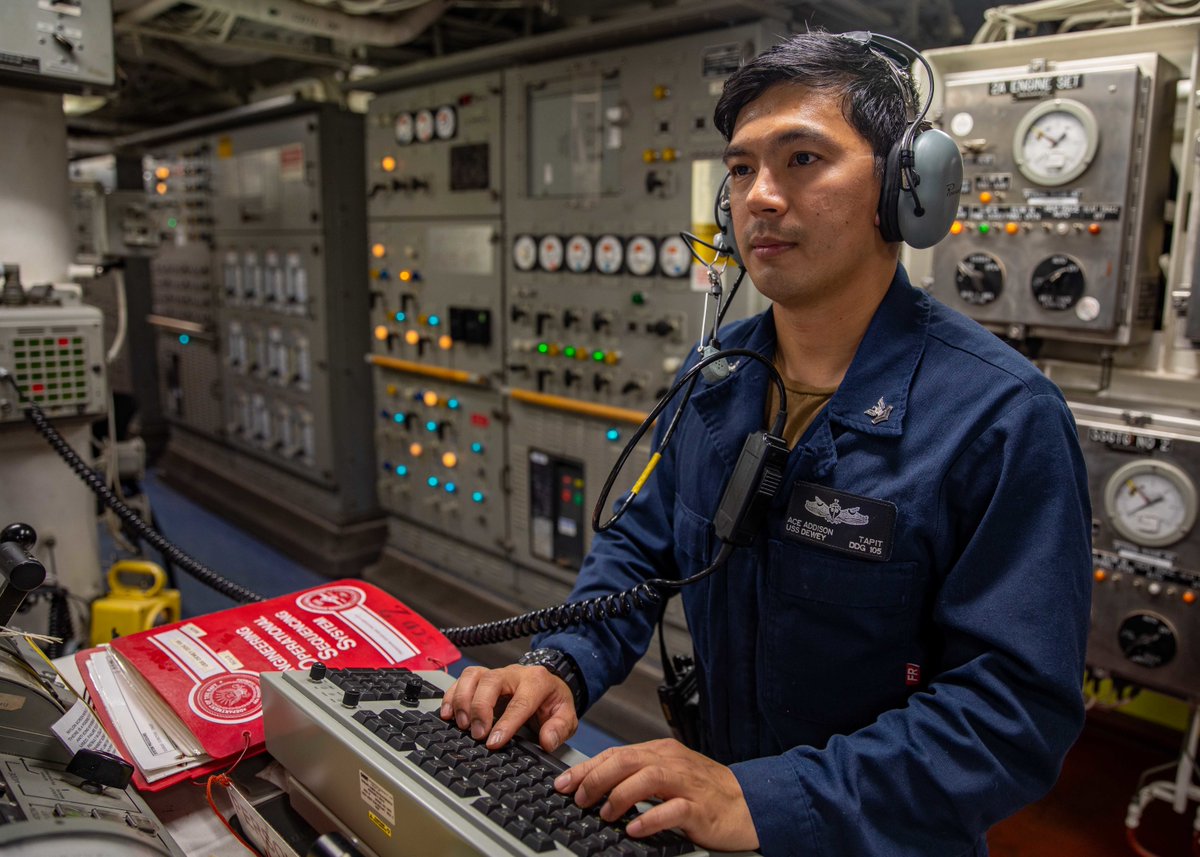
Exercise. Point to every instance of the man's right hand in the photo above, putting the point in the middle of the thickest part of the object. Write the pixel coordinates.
(531, 691)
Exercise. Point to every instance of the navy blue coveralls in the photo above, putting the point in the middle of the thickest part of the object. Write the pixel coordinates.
(892, 686)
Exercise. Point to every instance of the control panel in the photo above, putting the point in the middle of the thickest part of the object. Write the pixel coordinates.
(1065, 176)
(1143, 470)
(61, 44)
(56, 355)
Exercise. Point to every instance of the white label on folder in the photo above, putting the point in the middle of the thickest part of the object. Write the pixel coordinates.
(79, 729)
(378, 799)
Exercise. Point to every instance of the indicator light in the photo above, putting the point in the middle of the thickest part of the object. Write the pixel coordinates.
(985, 197)
(415, 450)
(405, 276)
(956, 227)
(669, 155)
(453, 404)
(1100, 575)
(569, 351)
(160, 188)
(1189, 597)
(649, 156)
(399, 418)
(431, 425)
(432, 481)
(434, 321)
(401, 316)
(1093, 228)
(612, 358)
(378, 251)
(598, 356)
(172, 222)
(381, 333)
(984, 229)
(477, 448)
(661, 92)
(445, 343)
(184, 339)
(392, 389)
(412, 337)
(451, 488)
(480, 420)
(388, 164)
(613, 435)
(401, 470)
(430, 399)
(543, 348)
(1011, 228)
(637, 298)
(477, 497)
(449, 459)
(162, 173)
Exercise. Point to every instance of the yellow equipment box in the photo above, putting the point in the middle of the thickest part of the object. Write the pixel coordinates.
(128, 609)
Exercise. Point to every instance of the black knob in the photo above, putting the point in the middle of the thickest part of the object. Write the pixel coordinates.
(316, 672)
(351, 697)
(22, 534)
(413, 685)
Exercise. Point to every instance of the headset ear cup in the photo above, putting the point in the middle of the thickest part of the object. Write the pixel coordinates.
(724, 238)
(889, 197)
(938, 164)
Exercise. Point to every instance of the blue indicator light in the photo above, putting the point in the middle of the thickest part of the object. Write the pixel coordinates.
(399, 418)
(477, 496)
(434, 321)
(385, 414)
(453, 404)
(387, 465)
(401, 470)
(431, 425)
(477, 447)
(451, 487)
(401, 316)
(184, 339)
(433, 481)
(613, 435)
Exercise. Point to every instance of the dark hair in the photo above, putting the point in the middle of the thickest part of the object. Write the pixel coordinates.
(878, 97)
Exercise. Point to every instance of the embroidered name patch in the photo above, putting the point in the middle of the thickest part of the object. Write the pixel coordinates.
(843, 522)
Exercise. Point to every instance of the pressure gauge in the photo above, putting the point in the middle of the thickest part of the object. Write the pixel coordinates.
(404, 128)
(525, 252)
(673, 257)
(1055, 141)
(610, 254)
(445, 122)
(979, 279)
(1151, 502)
(550, 253)
(1147, 640)
(641, 255)
(579, 254)
(424, 126)
(1057, 282)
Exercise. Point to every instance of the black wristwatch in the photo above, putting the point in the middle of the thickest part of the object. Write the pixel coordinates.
(563, 666)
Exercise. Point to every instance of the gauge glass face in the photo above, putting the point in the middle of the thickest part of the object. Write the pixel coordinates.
(404, 128)
(1151, 503)
(579, 253)
(641, 255)
(1055, 142)
(1147, 640)
(673, 257)
(550, 253)
(979, 279)
(445, 122)
(525, 251)
(610, 254)
(424, 123)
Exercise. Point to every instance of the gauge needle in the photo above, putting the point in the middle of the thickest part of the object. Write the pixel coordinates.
(1148, 503)
(968, 271)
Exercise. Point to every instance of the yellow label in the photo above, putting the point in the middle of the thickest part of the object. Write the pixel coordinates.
(224, 148)
(380, 823)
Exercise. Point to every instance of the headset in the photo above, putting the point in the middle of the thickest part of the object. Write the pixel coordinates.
(925, 157)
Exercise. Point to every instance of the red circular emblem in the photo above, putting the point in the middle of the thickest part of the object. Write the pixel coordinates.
(227, 698)
(331, 599)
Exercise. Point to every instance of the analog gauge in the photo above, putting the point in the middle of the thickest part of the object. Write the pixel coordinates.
(610, 254)
(550, 253)
(579, 254)
(641, 255)
(1055, 141)
(445, 122)
(404, 128)
(424, 123)
(1147, 640)
(1057, 282)
(1151, 502)
(525, 252)
(674, 257)
(979, 279)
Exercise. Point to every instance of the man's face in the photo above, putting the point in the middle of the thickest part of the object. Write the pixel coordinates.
(804, 193)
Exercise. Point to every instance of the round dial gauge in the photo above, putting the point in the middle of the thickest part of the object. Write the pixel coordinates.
(610, 254)
(1057, 282)
(424, 126)
(550, 253)
(525, 251)
(1151, 502)
(445, 122)
(979, 279)
(641, 255)
(1147, 640)
(579, 253)
(404, 128)
(1055, 141)
(674, 257)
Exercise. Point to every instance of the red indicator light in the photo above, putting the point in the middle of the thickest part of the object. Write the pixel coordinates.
(64, 342)
(38, 388)
(480, 420)
(566, 495)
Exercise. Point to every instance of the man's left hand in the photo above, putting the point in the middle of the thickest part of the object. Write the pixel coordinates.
(699, 796)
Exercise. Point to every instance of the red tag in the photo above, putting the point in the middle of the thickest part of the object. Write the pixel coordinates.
(912, 674)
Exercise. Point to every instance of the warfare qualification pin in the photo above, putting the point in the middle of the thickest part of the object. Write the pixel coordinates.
(879, 412)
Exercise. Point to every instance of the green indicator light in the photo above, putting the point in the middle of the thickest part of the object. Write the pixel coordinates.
(543, 348)
(578, 499)
(598, 356)
(172, 222)
(984, 229)
(569, 351)
(638, 298)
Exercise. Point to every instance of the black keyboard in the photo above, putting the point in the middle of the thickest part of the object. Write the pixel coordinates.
(496, 801)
